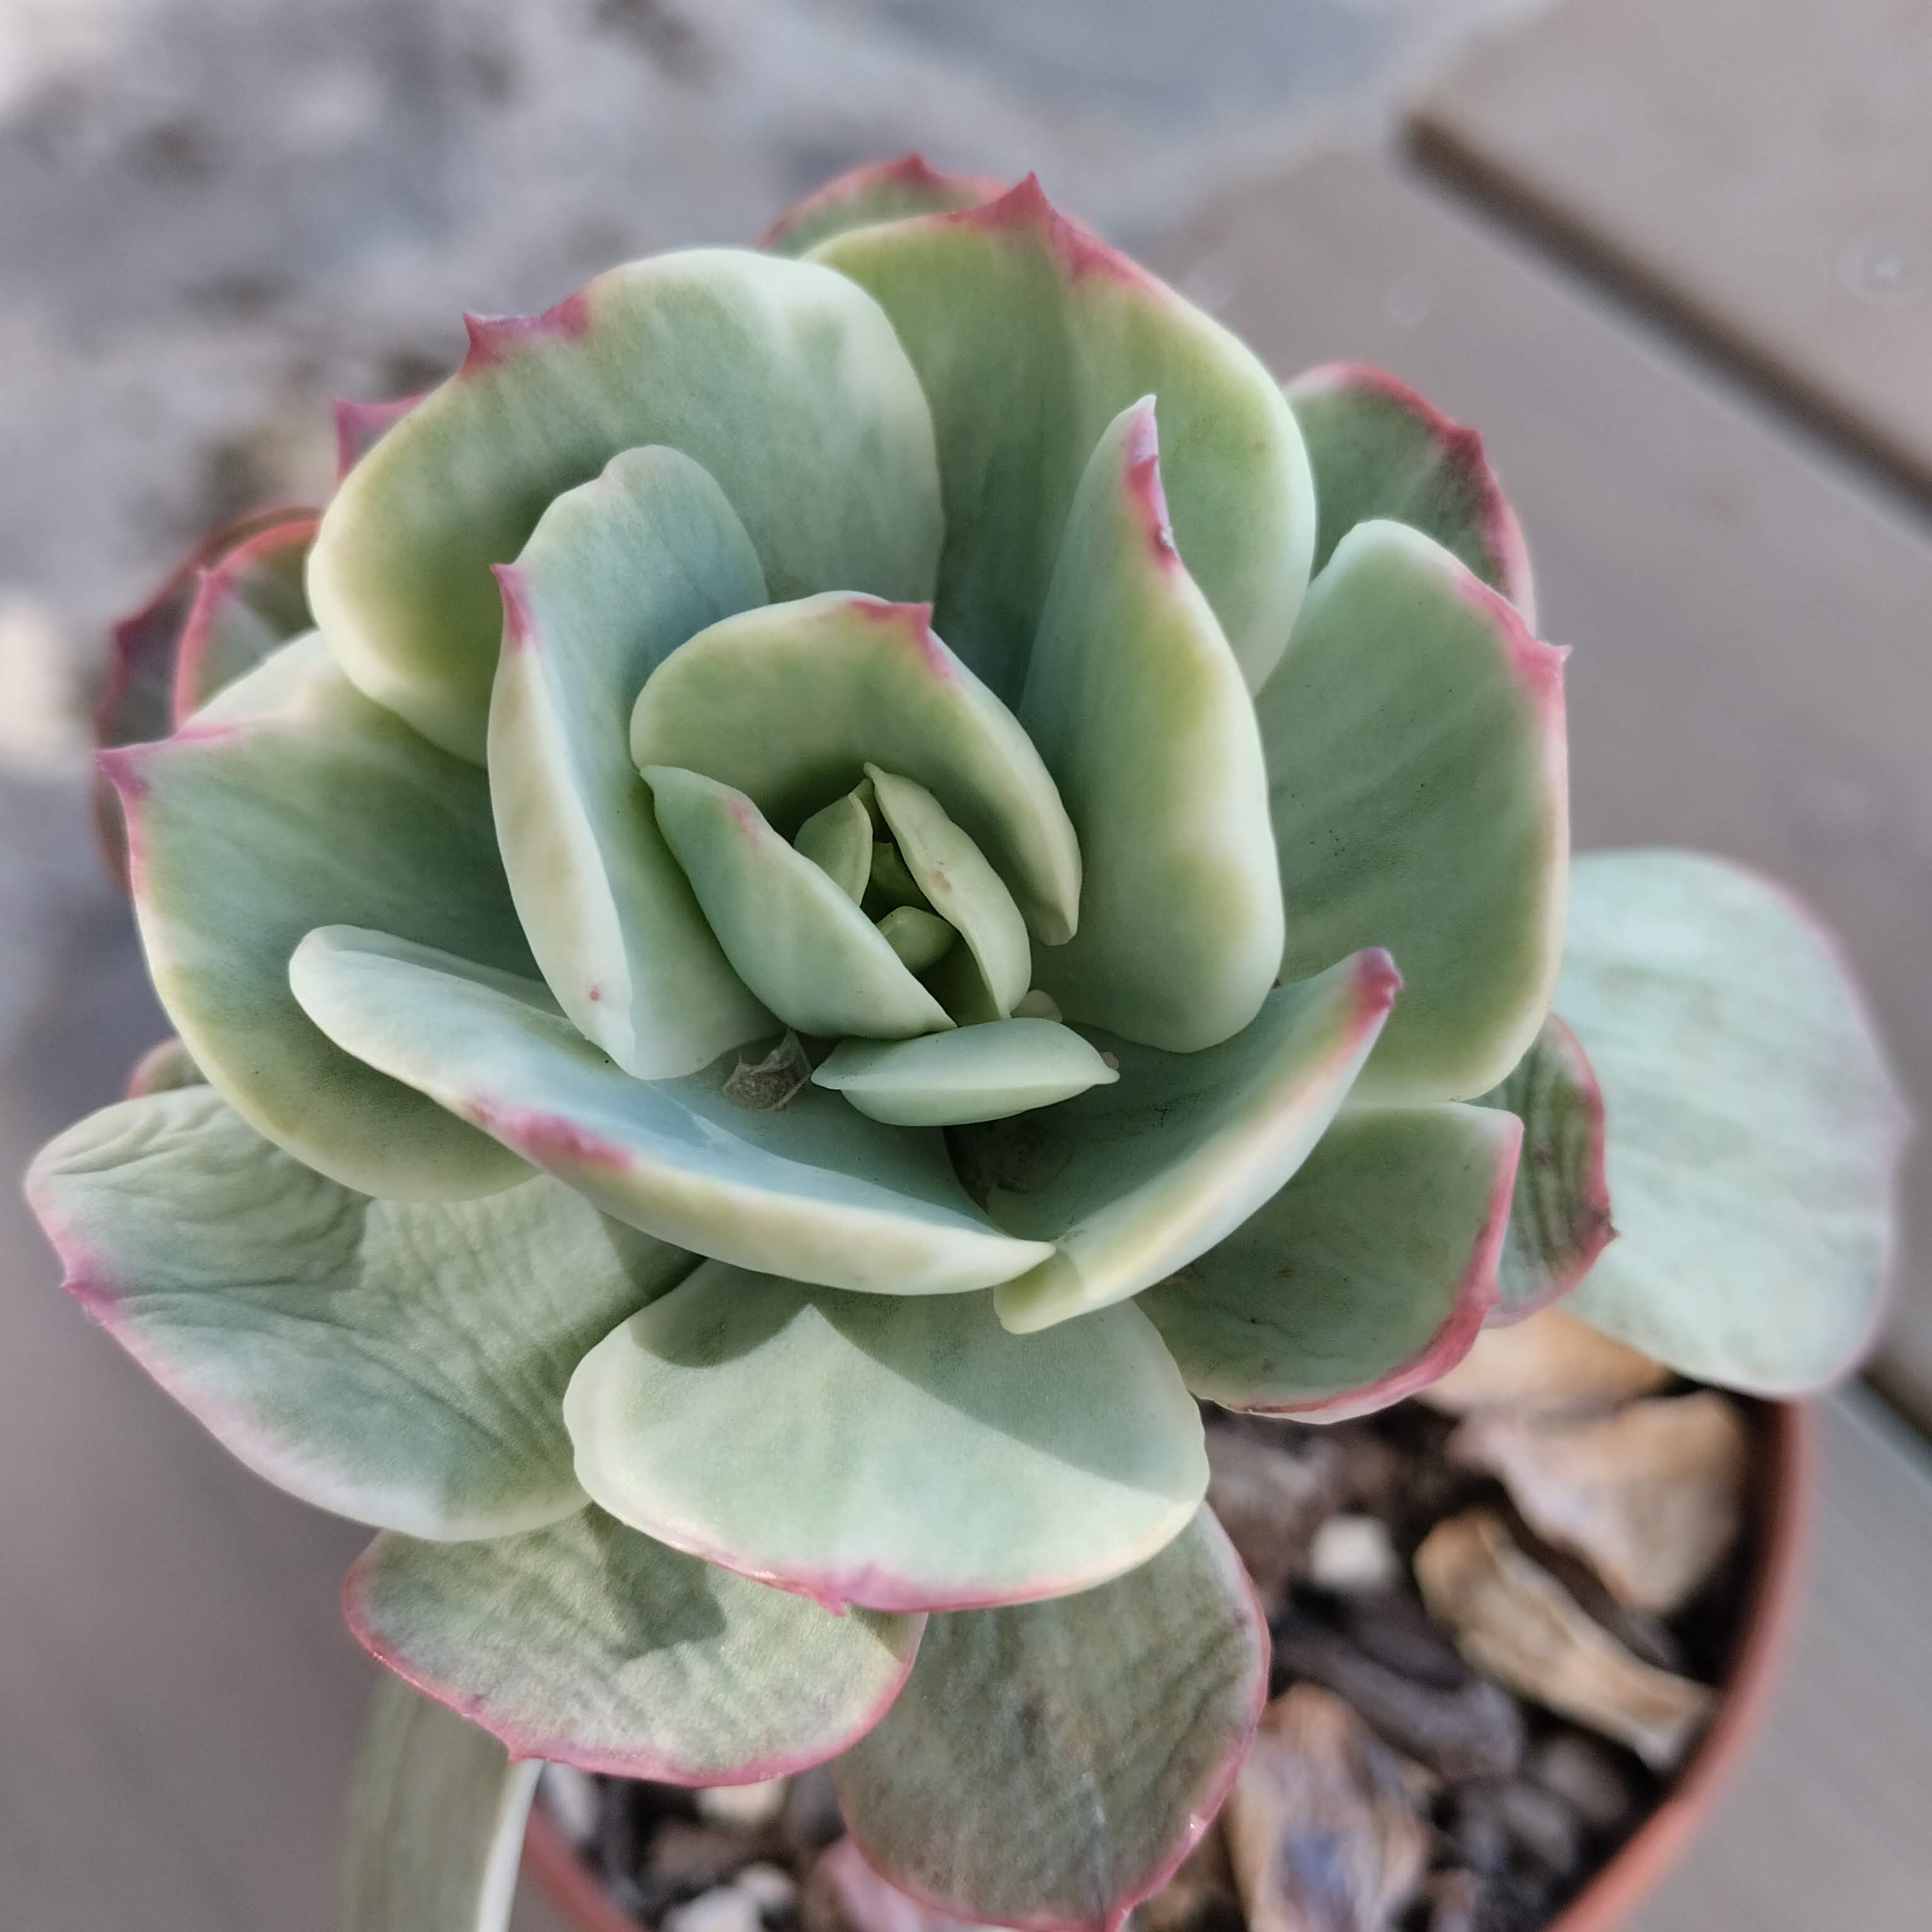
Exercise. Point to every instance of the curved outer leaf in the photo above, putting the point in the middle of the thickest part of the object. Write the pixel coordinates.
(905, 1454)
(587, 1644)
(247, 603)
(1030, 337)
(812, 1186)
(875, 191)
(1560, 1215)
(1096, 1735)
(615, 576)
(166, 1066)
(1138, 707)
(774, 375)
(401, 1363)
(974, 1073)
(436, 1822)
(246, 832)
(958, 882)
(1754, 1127)
(359, 427)
(789, 929)
(1364, 1278)
(1378, 449)
(1420, 787)
(1131, 1182)
(788, 703)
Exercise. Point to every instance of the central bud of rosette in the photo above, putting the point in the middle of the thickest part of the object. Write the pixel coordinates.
(876, 846)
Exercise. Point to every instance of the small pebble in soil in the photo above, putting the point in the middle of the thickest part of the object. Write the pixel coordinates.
(1353, 1555)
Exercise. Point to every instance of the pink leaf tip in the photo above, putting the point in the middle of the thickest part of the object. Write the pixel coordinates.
(494, 338)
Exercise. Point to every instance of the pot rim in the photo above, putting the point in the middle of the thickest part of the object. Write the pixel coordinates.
(1782, 1514)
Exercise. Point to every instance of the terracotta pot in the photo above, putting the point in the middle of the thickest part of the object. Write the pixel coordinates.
(1786, 1442)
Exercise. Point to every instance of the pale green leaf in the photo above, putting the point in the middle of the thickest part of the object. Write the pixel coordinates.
(1367, 1276)
(956, 880)
(1030, 336)
(782, 380)
(1419, 781)
(1754, 1127)
(789, 930)
(920, 939)
(294, 802)
(617, 575)
(400, 1362)
(973, 1073)
(1131, 1182)
(905, 1454)
(812, 1187)
(1560, 1215)
(787, 704)
(587, 1644)
(1075, 1749)
(437, 1815)
(877, 191)
(838, 839)
(1138, 707)
(1378, 449)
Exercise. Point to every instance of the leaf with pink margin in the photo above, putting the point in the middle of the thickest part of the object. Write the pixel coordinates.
(1132, 1181)
(437, 1815)
(939, 1463)
(291, 802)
(359, 427)
(1419, 781)
(811, 1187)
(400, 1363)
(873, 192)
(787, 703)
(774, 375)
(1379, 450)
(1031, 336)
(1368, 1276)
(1138, 705)
(617, 575)
(134, 703)
(247, 605)
(1075, 1750)
(1754, 1126)
(1560, 1215)
(585, 1643)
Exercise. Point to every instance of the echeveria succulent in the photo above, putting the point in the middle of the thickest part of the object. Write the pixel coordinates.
(865, 871)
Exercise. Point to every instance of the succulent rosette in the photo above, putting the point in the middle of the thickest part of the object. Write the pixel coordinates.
(842, 879)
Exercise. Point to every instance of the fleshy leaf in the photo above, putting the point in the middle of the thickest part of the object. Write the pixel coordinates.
(1075, 1749)
(974, 1073)
(812, 1186)
(787, 704)
(1560, 1215)
(957, 881)
(1378, 449)
(435, 1823)
(588, 1644)
(359, 427)
(1030, 336)
(402, 1363)
(1367, 1276)
(1138, 707)
(1420, 789)
(247, 603)
(1754, 1127)
(166, 1066)
(939, 1461)
(875, 191)
(1131, 1182)
(838, 839)
(788, 928)
(617, 575)
(774, 375)
(919, 939)
(310, 806)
